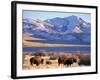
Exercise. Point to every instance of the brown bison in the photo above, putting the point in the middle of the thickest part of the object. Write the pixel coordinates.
(66, 61)
(36, 60)
(61, 60)
(48, 62)
(70, 61)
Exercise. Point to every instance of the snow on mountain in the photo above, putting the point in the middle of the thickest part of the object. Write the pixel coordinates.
(77, 30)
(40, 26)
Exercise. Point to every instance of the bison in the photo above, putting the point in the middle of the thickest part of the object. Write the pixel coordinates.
(61, 60)
(70, 61)
(66, 61)
(48, 62)
(36, 60)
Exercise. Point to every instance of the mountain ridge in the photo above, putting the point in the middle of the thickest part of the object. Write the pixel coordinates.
(68, 28)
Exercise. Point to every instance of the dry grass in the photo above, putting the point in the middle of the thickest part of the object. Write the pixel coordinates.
(26, 36)
(38, 44)
(84, 58)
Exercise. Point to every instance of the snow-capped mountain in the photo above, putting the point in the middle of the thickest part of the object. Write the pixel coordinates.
(70, 28)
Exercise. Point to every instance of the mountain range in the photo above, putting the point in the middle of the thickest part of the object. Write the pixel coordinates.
(71, 29)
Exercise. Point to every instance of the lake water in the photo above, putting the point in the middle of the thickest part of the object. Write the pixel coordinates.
(58, 49)
(60, 41)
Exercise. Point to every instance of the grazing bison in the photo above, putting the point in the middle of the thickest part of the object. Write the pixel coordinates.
(61, 60)
(36, 60)
(66, 61)
(48, 62)
(70, 61)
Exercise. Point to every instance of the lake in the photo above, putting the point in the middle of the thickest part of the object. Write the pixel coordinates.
(58, 49)
(60, 41)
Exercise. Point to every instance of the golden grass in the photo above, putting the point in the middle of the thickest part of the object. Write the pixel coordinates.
(26, 36)
(26, 62)
(47, 66)
(38, 44)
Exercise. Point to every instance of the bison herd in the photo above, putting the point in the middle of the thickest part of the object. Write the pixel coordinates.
(60, 60)
(67, 61)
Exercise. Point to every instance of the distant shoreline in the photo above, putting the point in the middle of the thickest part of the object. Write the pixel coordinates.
(38, 44)
(27, 43)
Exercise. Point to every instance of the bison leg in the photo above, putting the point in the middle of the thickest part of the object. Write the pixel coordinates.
(58, 64)
(37, 64)
(42, 61)
(31, 61)
(59, 61)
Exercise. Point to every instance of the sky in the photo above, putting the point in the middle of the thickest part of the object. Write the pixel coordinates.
(43, 15)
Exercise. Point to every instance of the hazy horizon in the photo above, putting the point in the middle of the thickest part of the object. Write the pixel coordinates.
(43, 15)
